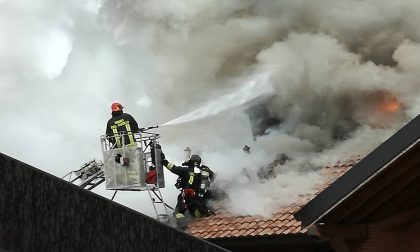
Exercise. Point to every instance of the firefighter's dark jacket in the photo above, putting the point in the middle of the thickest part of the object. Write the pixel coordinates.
(121, 122)
(189, 179)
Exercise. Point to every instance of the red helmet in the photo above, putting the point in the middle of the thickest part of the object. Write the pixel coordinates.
(116, 106)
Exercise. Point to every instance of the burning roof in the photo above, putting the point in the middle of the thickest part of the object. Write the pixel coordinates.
(223, 224)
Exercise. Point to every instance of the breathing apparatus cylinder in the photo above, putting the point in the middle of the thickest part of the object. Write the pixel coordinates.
(205, 183)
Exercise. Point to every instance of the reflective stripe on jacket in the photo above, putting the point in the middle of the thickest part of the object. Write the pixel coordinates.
(122, 124)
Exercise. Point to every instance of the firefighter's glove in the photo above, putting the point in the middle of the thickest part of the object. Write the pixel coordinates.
(178, 183)
(164, 162)
(204, 168)
(188, 163)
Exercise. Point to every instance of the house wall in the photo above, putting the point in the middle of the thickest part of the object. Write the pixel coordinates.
(401, 239)
(40, 212)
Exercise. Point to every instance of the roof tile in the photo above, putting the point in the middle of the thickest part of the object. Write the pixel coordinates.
(267, 231)
(249, 231)
(282, 222)
(284, 216)
(241, 232)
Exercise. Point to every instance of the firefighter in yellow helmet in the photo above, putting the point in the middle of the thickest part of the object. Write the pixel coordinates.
(120, 127)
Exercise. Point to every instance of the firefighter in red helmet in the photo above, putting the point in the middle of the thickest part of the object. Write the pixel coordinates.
(120, 127)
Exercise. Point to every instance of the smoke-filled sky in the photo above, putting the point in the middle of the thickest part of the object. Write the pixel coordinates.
(341, 77)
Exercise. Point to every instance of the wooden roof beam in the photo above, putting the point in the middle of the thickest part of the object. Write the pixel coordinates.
(399, 219)
(341, 232)
(369, 190)
(381, 198)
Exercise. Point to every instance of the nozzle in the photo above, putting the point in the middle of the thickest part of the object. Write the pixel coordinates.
(149, 128)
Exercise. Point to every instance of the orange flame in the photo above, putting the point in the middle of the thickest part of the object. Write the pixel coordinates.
(390, 105)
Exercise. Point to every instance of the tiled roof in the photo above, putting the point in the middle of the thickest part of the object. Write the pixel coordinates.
(223, 224)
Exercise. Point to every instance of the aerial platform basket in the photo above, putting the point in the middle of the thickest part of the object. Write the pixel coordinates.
(132, 166)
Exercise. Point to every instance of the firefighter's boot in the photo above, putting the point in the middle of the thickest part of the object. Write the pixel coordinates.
(181, 221)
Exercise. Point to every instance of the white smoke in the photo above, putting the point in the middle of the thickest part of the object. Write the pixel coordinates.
(335, 72)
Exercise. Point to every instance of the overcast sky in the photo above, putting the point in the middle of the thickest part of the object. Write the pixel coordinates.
(325, 67)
